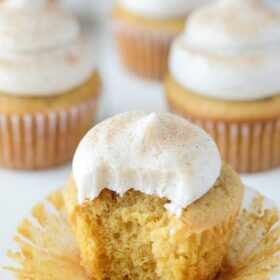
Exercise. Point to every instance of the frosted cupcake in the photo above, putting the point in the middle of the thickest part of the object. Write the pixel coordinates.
(150, 199)
(48, 87)
(224, 75)
(144, 31)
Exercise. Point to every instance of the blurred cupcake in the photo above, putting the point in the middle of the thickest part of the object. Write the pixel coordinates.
(49, 84)
(224, 76)
(150, 199)
(144, 31)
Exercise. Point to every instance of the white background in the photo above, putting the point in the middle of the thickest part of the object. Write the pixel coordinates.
(121, 91)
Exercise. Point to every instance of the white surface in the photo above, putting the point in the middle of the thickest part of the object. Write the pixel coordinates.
(121, 92)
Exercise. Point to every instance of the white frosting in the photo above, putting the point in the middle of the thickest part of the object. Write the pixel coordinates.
(41, 49)
(155, 153)
(161, 9)
(230, 50)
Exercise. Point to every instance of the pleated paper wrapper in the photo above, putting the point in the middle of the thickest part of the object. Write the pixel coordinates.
(34, 141)
(47, 249)
(143, 52)
(246, 146)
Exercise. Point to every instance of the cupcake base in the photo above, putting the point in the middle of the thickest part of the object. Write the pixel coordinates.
(44, 138)
(144, 44)
(248, 142)
(145, 55)
(248, 147)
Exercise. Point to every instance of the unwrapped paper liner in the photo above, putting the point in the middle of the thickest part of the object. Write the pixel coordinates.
(48, 250)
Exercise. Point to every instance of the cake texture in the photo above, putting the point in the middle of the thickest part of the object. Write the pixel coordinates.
(135, 216)
(144, 32)
(135, 237)
(223, 76)
(49, 84)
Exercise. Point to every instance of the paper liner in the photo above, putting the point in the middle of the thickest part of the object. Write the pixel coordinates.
(32, 141)
(247, 146)
(48, 250)
(144, 52)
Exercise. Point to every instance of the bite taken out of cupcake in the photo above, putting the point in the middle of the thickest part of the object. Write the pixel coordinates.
(150, 198)
(49, 84)
(224, 76)
(144, 31)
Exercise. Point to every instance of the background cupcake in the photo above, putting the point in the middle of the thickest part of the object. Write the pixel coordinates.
(48, 87)
(224, 76)
(144, 31)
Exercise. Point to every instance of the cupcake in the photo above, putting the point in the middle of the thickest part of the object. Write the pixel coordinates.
(149, 198)
(224, 76)
(144, 31)
(49, 84)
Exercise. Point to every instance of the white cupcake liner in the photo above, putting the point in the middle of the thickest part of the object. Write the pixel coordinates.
(247, 146)
(38, 140)
(143, 51)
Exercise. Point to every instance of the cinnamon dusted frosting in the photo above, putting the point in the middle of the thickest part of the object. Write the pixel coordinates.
(161, 9)
(155, 153)
(41, 49)
(230, 49)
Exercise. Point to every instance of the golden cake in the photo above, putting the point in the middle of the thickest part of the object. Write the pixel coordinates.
(144, 31)
(149, 198)
(223, 76)
(49, 84)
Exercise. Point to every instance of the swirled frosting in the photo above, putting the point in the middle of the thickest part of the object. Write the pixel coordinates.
(230, 49)
(161, 9)
(155, 153)
(41, 49)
